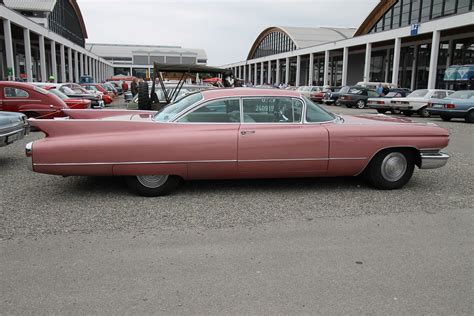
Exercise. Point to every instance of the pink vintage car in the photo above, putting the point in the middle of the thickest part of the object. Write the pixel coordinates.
(232, 134)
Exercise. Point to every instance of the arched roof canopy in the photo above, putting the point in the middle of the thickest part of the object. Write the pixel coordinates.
(280, 39)
(380, 9)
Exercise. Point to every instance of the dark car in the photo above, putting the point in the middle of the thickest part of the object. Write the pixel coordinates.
(332, 97)
(357, 97)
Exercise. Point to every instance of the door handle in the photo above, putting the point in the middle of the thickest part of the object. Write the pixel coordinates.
(247, 132)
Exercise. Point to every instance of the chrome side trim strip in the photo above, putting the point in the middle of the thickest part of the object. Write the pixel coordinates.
(13, 132)
(190, 161)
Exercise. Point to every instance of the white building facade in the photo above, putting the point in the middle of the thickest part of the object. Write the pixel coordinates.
(406, 42)
(138, 60)
(46, 38)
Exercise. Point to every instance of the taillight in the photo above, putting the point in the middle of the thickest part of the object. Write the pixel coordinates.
(449, 106)
(380, 102)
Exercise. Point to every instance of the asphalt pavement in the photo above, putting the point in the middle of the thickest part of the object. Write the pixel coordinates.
(328, 246)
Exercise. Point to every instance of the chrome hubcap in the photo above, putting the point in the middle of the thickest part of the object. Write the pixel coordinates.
(394, 166)
(152, 181)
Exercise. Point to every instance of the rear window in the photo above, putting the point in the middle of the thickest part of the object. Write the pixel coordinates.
(356, 91)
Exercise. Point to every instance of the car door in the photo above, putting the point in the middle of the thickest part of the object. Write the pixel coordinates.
(206, 138)
(273, 141)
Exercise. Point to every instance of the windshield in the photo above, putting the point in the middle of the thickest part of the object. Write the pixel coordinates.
(61, 95)
(67, 90)
(393, 95)
(169, 112)
(418, 93)
(463, 95)
(344, 89)
(315, 113)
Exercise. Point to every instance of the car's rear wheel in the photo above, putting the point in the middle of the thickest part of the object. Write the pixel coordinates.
(337, 103)
(423, 112)
(469, 117)
(407, 113)
(391, 169)
(360, 104)
(445, 118)
(152, 185)
(381, 111)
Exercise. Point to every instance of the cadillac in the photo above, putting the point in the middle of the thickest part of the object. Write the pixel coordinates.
(234, 133)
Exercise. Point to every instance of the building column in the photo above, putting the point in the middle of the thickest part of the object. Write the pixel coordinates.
(326, 68)
(287, 70)
(298, 70)
(255, 74)
(250, 73)
(86, 66)
(345, 59)
(277, 75)
(368, 56)
(76, 66)
(54, 64)
(269, 74)
(63, 63)
(81, 62)
(245, 72)
(433, 60)
(396, 60)
(69, 61)
(28, 64)
(311, 69)
(262, 67)
(413, 68)
(387, 65)
(42, 53)
(7, 31)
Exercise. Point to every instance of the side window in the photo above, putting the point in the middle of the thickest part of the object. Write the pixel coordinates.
(15, 93)
(373, 94)
(439, 95)
(219, 111)
(272, 110)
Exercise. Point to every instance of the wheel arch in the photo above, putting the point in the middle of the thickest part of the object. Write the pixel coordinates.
(415, 151)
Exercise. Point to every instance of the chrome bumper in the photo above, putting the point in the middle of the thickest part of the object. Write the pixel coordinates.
(433, 160)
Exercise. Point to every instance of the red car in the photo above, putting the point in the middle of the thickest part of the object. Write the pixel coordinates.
(234, 134)
(94, 87)
(30, 100)
(71, 102)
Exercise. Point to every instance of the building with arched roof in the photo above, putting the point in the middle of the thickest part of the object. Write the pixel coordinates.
(406, 42)
(44, 38)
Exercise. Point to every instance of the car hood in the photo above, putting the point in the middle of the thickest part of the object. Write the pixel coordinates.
(7, 118)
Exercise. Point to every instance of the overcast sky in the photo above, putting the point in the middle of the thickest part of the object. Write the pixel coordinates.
(226, 29)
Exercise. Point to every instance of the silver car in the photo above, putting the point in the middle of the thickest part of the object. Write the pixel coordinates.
(13, 127)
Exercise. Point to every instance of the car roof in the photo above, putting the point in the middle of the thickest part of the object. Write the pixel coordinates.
(247, 92)
(17, 84)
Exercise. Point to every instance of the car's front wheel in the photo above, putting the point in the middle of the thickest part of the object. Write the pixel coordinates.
(152, 185)
(391, 169)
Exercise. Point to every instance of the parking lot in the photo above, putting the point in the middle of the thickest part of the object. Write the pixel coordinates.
(72, 225)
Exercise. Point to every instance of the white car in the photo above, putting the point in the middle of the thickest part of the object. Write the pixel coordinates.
(417, 101)
(307, 90)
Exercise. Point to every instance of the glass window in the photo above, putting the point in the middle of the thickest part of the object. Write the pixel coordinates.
(415, 11)
(15, 93)
(169, 112)
(418, 93)
(464, 6)
(219, 111)
(425, 10)
(357, 91)
(437, 9)
(405, 13)
(272, 110)
(315, 114)
(463, 95)
(449, 7)
(439, 94)
(373, 94)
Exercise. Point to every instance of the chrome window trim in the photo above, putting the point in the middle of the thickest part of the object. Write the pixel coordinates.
(300, 122)
(27, 94)
(199, 105)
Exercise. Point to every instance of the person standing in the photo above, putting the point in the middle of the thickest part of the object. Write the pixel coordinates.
(134, 87)
(379, 89)
(124, 86)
